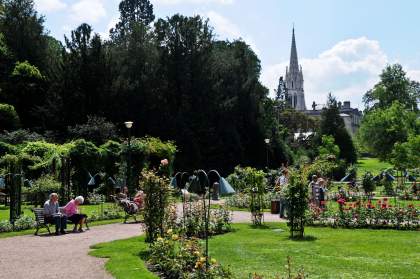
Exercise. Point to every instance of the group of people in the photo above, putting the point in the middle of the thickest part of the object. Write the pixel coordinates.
(318, 191)
(317, 188)
(54, 214)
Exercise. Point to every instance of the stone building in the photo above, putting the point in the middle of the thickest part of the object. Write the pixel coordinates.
(292, 93)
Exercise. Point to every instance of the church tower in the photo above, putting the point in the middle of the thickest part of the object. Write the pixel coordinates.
(294, 80)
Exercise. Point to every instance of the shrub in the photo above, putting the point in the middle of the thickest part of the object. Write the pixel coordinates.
(155, 203)
(20, 136)
(297, 198)
(367, 215)
(96, 129)
(326, 167)
(41, 188)
(175, 257)
(9, 119)
(6, 148)
(367, 183)
(5, 226)
(243, 179)
(193, 225)
(23, 223)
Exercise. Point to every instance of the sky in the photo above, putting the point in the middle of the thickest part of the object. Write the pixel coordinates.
(343, 45)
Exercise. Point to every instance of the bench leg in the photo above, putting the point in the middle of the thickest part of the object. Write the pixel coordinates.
(48, 228)
(37, 229)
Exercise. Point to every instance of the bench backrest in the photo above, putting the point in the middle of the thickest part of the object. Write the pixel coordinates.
(39, 215)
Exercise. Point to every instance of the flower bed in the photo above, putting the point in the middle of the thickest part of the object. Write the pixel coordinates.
(174, 257)
(366, 215)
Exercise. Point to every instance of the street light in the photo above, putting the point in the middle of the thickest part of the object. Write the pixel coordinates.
(129, 125)
(267, 142)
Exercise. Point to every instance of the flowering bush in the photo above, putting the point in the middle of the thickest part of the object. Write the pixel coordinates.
(367, 215)
(156, 203)
(5, 226)
(23, 223)
(175, 257)
(192, 224)
(243, 200)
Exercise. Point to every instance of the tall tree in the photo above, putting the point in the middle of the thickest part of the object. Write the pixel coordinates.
(132, 12)
(393, 86)
(24, 32)
(381, 129)
(332, 124)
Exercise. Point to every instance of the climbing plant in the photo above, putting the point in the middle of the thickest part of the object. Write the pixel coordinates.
(297, 197)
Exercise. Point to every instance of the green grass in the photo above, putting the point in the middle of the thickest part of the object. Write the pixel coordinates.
(124, 259)
(325, 253)
(372, 165)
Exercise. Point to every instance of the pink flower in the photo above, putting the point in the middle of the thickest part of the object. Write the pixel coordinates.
(164, 162)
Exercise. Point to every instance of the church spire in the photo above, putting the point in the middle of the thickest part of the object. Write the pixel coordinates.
(294, 64)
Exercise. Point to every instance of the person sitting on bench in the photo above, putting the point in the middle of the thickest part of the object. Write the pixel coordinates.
(53, 216)
(72, 212)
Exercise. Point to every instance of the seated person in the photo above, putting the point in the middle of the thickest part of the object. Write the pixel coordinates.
(123, 195)
(53, 216)
(72, 212)
(139, 198)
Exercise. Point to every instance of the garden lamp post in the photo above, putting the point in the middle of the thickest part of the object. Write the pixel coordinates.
(267, 143)
(129, 125)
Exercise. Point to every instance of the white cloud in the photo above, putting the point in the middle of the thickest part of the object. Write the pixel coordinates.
(225, 29)
(111, 24)
(46, 6)
(175, 2)
(414, 75)
(348, 70)
(89, 11)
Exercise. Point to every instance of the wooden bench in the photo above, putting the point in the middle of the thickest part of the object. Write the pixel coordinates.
(40, 220)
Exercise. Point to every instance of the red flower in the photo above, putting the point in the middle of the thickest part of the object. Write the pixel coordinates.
(341, 201)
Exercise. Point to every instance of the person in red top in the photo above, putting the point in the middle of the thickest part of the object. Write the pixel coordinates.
(72, 212)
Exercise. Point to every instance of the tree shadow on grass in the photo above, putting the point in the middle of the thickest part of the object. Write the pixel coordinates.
(260, 227)
(303, 239)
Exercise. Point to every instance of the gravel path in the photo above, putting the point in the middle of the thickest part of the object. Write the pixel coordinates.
(46, 257)
(62, 256)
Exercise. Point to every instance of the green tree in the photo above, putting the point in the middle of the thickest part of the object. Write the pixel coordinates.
(132, 12)
(393, 86)
(26, 91)
(24, 32)
(332, 124)
(328, 147)
(406, 155)
(9, 119)
(381, 129)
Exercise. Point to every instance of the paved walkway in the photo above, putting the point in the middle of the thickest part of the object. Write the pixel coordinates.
(66, 256)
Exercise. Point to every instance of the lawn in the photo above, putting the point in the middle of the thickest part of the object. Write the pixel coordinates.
(326, 253)
(372, 165)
